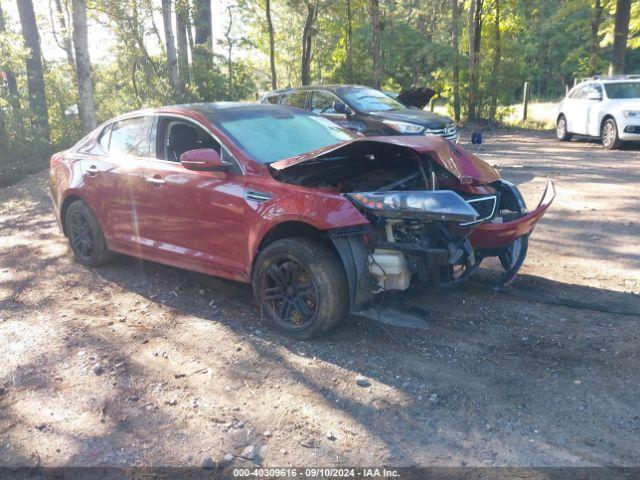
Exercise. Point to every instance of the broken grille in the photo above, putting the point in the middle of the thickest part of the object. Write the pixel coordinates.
(485, 206)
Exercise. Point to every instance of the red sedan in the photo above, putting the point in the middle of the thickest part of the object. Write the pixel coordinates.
(319, 221)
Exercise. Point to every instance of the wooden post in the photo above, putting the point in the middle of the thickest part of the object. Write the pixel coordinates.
(525, 101)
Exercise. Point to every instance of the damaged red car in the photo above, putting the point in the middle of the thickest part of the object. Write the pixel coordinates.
(319, 221)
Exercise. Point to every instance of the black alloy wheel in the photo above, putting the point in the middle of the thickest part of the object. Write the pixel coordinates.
(290, 293)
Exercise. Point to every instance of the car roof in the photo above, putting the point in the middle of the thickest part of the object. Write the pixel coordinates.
(329, 88)
(207, 109)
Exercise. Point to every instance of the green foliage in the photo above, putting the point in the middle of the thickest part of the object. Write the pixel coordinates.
(548, 43)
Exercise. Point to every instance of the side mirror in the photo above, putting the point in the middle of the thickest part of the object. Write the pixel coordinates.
(203, 159)
(340, 107)
(594, 96)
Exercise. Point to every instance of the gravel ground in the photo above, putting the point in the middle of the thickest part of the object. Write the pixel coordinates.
(138, 364)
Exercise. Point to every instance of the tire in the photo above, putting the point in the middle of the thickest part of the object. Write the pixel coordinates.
(512, 257)
(85, 235)
(300, 286)
(561, 129)
(609, 134)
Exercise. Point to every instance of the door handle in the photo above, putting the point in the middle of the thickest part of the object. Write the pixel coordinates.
(92, 170)
(156, 181)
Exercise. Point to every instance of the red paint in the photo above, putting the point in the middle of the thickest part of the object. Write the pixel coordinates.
(495, 235)
(203, 220)
(464, 165)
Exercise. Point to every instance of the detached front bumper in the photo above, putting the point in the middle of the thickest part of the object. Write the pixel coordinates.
(489, 236)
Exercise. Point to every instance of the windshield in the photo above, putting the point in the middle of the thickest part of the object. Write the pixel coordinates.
(271, 134)
(370, 100)
(623, 90)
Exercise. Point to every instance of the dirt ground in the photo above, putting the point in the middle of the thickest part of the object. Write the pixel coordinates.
(139, 364)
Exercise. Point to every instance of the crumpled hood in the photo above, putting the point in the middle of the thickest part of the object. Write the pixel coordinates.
(463, 165)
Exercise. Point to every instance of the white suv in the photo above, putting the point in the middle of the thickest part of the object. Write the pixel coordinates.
(605, 107)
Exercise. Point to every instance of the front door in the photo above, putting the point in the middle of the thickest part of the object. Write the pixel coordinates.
(194, 219)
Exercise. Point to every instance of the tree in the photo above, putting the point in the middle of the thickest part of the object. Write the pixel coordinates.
(594, 48)
(10, 78)
(272, 53)
(620, 36)
(86, 105)
(497, 57)
(35, 76)
(182, 24)
(307, 41)
(229, 43)
(475, 32)
(376, 32)
(349, 43)
(64, 38)
(202, 50)
(172, 58)
(455, 19)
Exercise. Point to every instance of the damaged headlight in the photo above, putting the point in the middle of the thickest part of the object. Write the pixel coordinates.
(443, 205)
(404, 127)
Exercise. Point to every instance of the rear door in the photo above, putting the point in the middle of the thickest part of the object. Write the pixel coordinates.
(194, 219)
(297, 99)
(576, 110)
(114, 177)
(595, 105)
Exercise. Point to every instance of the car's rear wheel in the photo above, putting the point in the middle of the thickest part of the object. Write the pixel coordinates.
(561, 129)
(609, 134)
(85, 235)
(300, 286)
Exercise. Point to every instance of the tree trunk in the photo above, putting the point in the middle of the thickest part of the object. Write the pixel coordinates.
(307, 42)
(203, 49)
(455, 18)
(229, 53)
(376, 30)
(594, 48)
(497, 57)
(65, 42)
(475, 30)
(272, 53)
(12, 84)
(349, 44)
(172, 58)
(35, 76)
(86, 105)
(620, 36)
(182, 23)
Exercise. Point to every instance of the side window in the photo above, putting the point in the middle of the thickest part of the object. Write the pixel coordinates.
(274, 99)
(131, 136)
(295, 99)
(179, 136)
(322, 102)
(581, 92)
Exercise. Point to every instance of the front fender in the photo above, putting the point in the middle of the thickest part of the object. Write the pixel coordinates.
(496, 235)
(320, 210)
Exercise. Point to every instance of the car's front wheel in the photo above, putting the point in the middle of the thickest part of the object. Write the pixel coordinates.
(300, 286)
(561, 129)
(609, 134)
(85, 235)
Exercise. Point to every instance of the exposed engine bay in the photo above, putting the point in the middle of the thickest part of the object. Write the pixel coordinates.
(422, 209)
